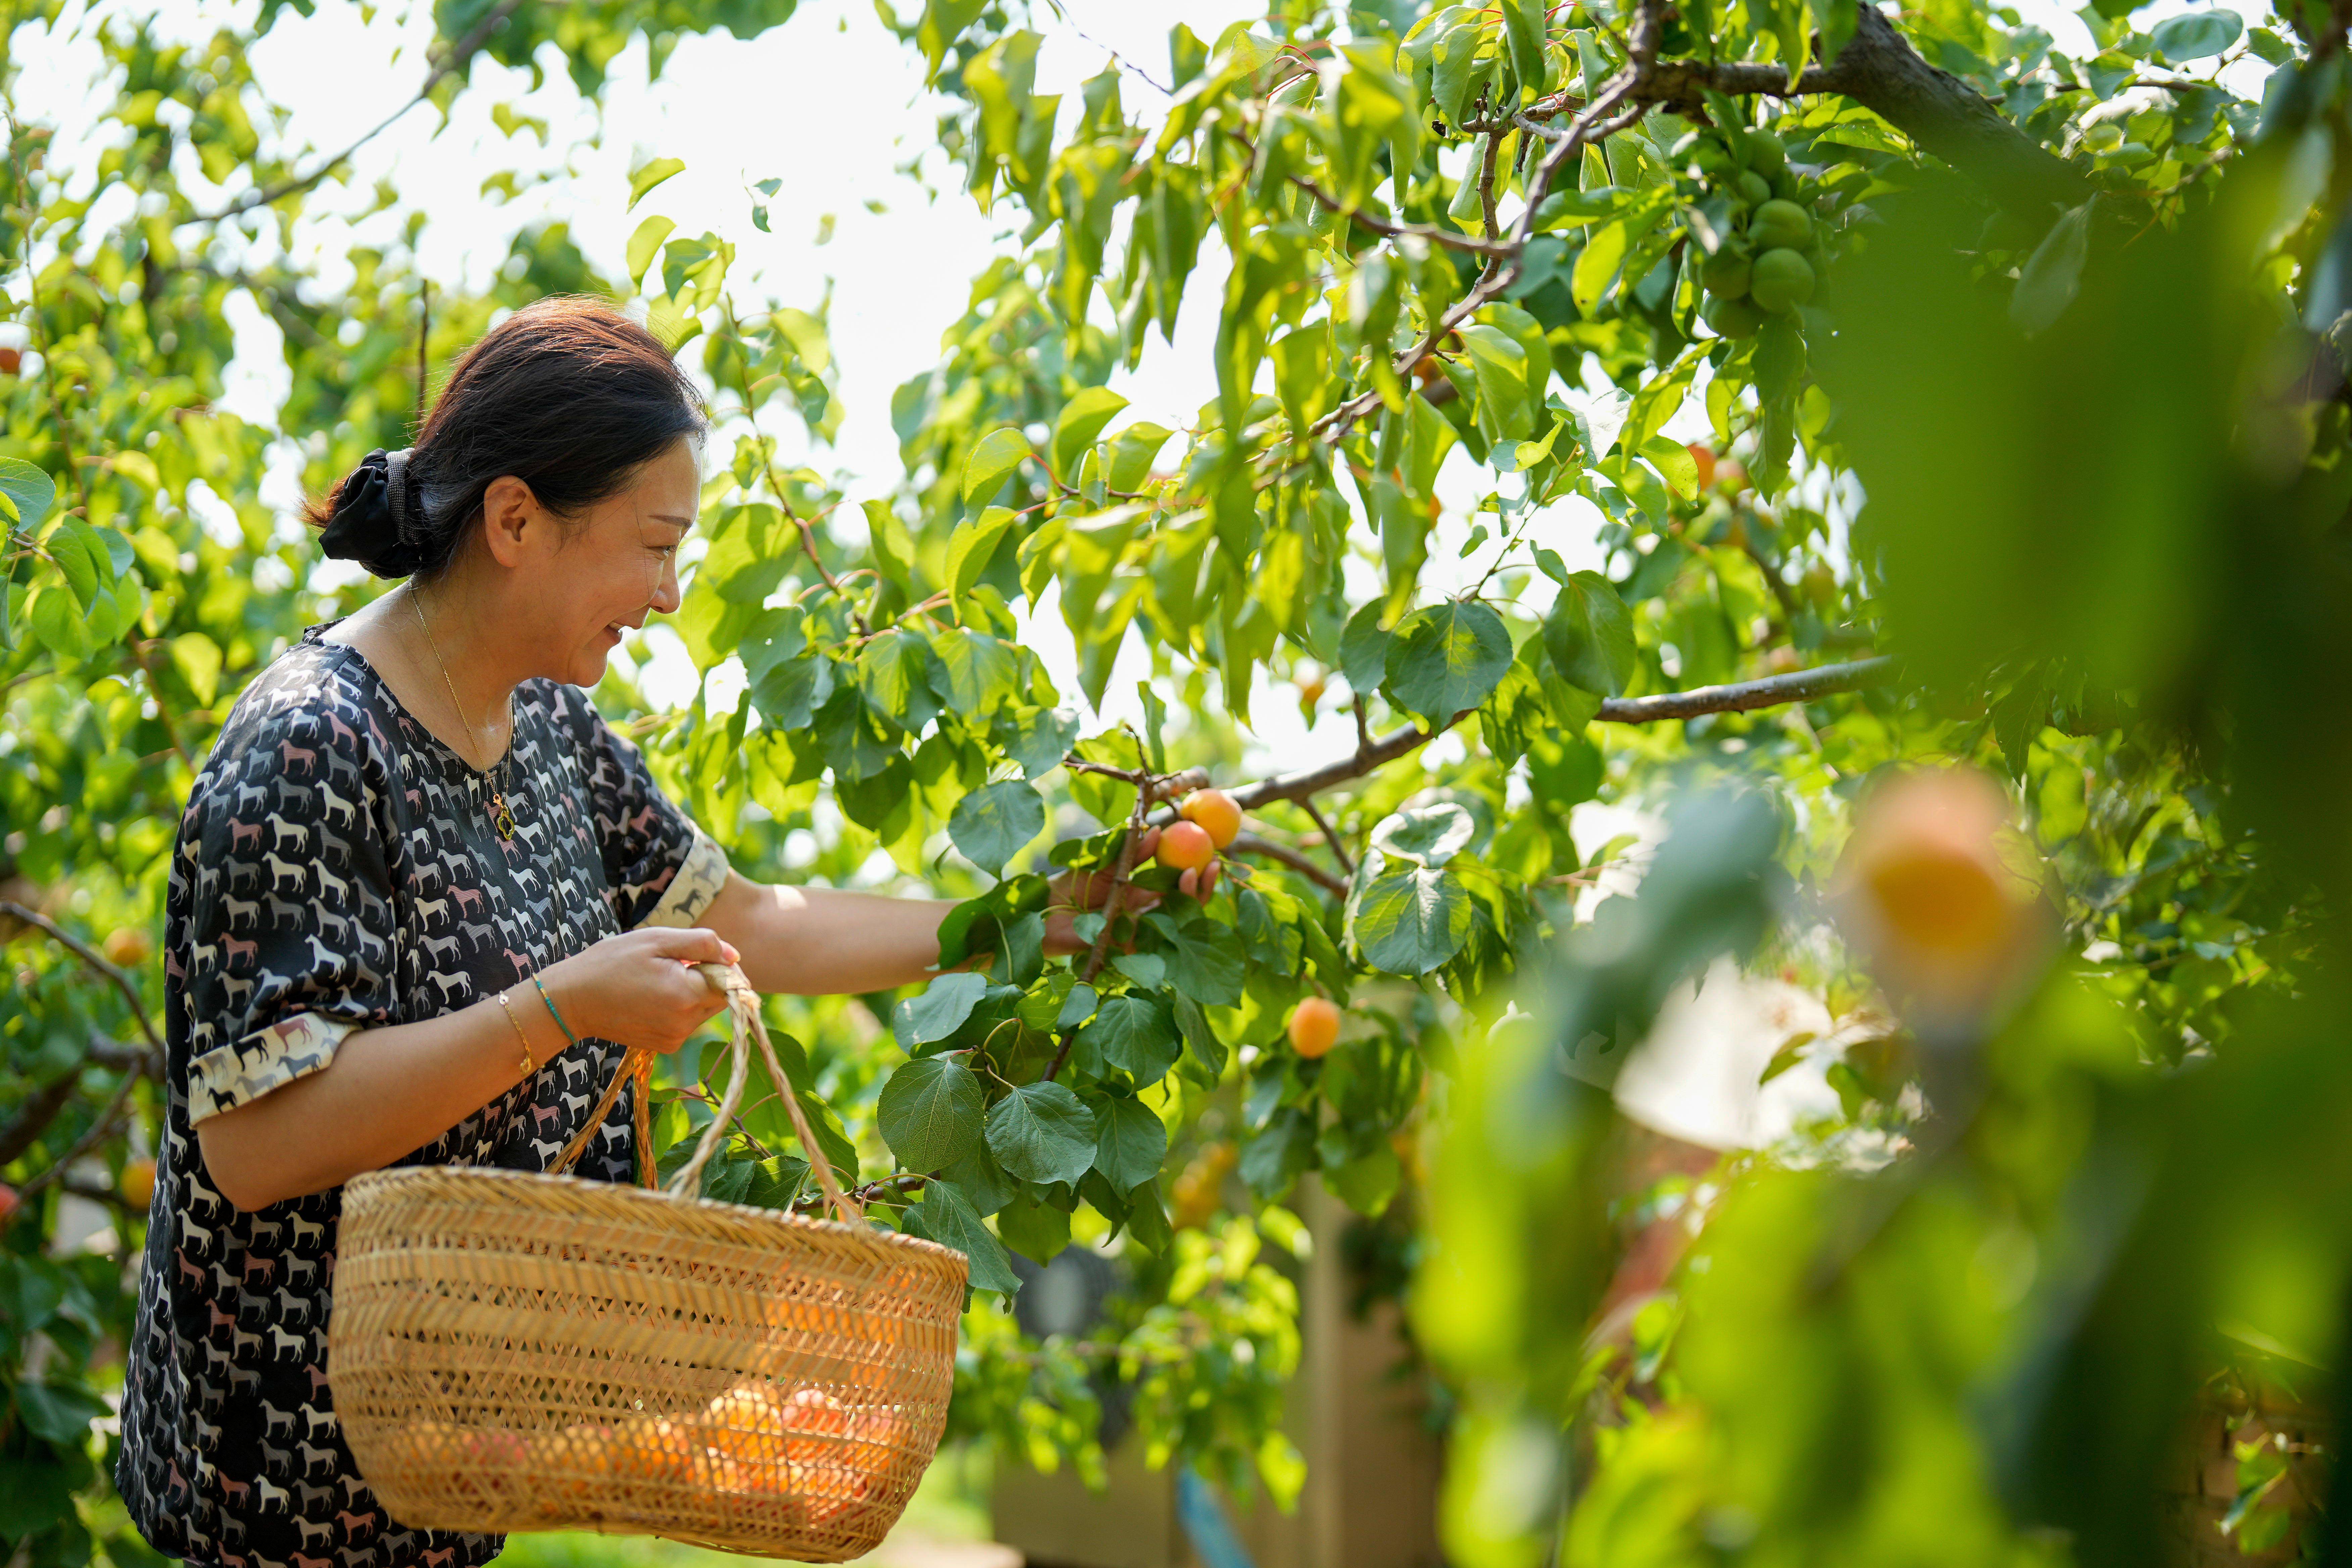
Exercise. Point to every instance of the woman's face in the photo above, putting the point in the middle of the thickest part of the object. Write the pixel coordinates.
(619, 565)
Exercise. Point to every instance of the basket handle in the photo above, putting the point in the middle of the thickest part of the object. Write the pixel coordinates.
(744, 1004)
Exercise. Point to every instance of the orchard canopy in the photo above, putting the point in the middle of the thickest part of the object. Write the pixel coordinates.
(1735, 411)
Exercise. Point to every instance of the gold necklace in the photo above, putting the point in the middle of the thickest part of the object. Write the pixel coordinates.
(501, 817)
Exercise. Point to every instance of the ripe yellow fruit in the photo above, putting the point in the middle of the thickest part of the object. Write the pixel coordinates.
(1214, 811)
(127, 947)
(1705, 457)
(138, 1184)
(1185, 846)
(1314, 1027)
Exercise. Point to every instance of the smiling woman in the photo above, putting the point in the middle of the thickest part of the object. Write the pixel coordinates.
(422, 898)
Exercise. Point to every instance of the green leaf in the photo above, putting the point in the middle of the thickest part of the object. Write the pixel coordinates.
(1130, 1143)
(930, 1112)
(974, 673)
(894, 676)
(2046, 284)
(1364, 650)
(971, 545)
(82, 557)
(62, 1411)
(1133, 1035)
(997, 455)
(29, 490)
(1523, 29)
(790, 693)
(644, 245)
(1446, 658)
(1036, 738)
(1035, 1230)
(938, 1010)
(198, 659)
(952, 1221)
(2195, 35)
(1589, 635)
(1452, 64)
(1409, 921)
(807, 336)
(1426, 835)
(58, 622)
(649, 175)
(1081, 419)
(1041, 1132)
(1203, 957)
(991, 826)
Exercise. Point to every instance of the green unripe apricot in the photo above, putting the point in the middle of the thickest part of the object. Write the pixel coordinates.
(1753, 188)
(1725, 274)
(1780, 280)
(1713, 159)
(1765, 153)
(1780, 224)
(1732, 318)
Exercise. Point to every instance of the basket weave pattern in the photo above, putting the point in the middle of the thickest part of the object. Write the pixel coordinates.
(519, 1351)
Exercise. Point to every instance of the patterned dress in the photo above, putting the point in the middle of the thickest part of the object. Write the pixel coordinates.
(336, 871)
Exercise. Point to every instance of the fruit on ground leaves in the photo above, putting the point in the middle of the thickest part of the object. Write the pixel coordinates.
(127, 947)
(138, 1184)
(1213, 810)
(1780, 224)
(1185, 846)
(1725, 274)
(1781, 281)
(1732, 318)
(1314, 1027)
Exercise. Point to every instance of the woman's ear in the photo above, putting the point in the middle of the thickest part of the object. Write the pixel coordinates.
(513, 523)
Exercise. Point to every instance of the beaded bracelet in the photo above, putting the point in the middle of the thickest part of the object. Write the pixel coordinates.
(551, 1013)
(529, 1066)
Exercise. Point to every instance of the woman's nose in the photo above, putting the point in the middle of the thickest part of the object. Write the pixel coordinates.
(666, 598)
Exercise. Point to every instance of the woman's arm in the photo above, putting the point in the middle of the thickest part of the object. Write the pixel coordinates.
(826, 942)
(390, 1090)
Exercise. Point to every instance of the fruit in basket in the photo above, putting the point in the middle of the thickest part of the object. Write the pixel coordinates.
(805, 1444)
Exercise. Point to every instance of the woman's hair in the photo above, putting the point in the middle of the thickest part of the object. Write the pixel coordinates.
(567, 394)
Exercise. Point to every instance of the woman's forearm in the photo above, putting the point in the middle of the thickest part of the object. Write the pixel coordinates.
(819, 941)
(387, 1092)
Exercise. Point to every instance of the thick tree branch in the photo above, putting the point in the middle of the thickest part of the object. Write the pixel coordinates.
(1879, 69)
(41, 1108)
(1739, 697)
(93, 957)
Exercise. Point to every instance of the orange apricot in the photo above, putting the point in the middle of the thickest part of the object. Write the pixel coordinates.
(1185, 846)
(1214, 811)
(1314, 1027)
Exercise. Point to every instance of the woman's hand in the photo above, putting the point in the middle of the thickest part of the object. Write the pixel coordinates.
(1074, 893)
(640, 987)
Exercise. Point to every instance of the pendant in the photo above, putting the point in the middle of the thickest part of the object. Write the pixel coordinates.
(501, 817)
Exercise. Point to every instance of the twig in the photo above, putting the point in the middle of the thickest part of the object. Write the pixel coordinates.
(1339, 850)
(1251, 843)
(90, 956)
(1452, 238)
(768, 465)
(455, 60)
(906, 1183)
(89, 1139)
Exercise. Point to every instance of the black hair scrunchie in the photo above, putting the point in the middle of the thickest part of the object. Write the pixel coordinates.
(376, 521)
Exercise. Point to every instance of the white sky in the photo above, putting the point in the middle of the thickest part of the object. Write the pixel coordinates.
(830, 103)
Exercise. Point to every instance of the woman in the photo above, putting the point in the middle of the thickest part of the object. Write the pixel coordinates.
(422, 900)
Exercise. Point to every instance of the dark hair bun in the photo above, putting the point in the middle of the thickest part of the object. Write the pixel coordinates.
(374, 519)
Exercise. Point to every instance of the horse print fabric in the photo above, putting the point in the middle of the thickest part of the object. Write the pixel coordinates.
(336, 870)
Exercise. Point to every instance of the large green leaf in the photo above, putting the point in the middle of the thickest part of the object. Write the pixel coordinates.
(1410, 920)
(894, 676)
(1081, 419)
(1042, 1132)
(650, 174)
(930, 1112)
(991, 826)
(1590, 634)
(1445, 659)
(1131, 1140)
(1130, 1033)
(938, 1010)
(985, 468)
(29, 490)
(951, 1221)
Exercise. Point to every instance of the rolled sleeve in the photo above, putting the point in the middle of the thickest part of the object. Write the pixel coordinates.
(269, 1057)
(698, 882)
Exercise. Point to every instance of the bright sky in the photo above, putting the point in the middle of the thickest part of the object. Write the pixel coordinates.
(831, 104)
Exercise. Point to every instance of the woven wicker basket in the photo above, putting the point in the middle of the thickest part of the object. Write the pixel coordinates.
(519, 1351)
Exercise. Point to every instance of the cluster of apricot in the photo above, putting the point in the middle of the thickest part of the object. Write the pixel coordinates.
(1772, 260)
(802, 1454)
(1208, 821)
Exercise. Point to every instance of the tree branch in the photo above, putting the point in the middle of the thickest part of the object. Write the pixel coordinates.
(1251, 843)
(455, 60)
(1740, 696)
(90, 956)
(41, 1108)
(1879, 69)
